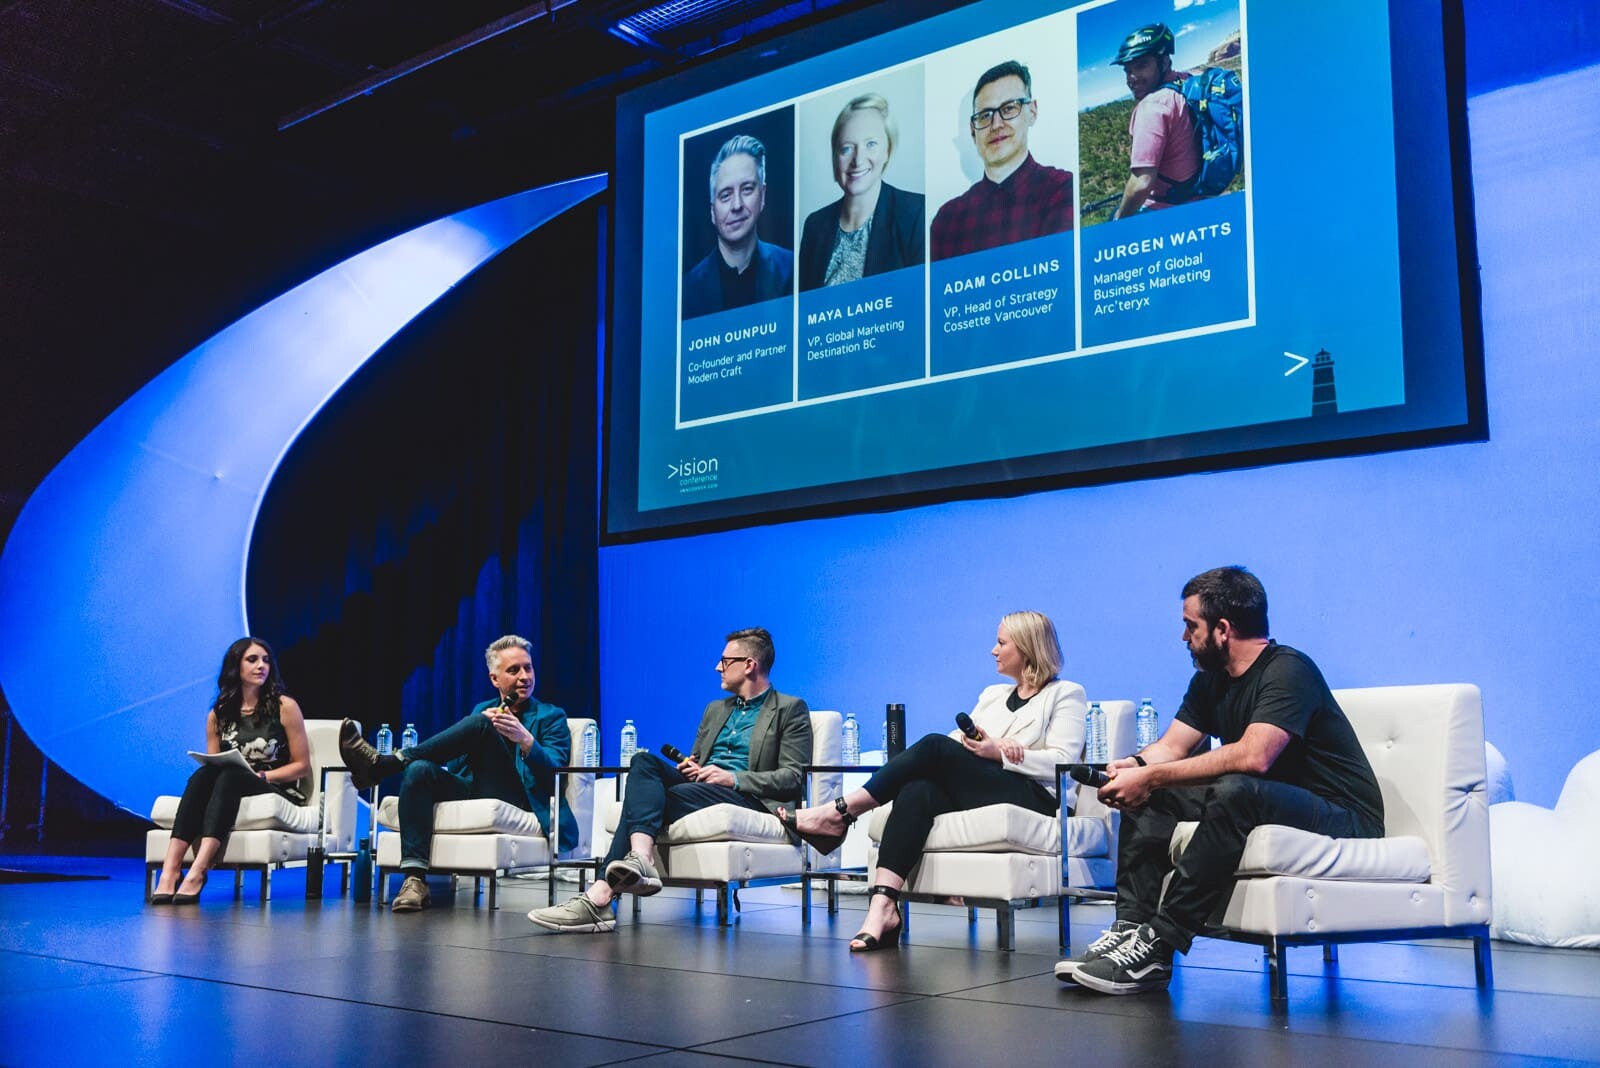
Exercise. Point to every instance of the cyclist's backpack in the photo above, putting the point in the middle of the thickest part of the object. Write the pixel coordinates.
(1215, 99)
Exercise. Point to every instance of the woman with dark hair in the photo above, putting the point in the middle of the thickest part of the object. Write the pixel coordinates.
(1023, 730)
(253, 715)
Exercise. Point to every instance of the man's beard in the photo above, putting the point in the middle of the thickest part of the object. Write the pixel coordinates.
(1210, 656)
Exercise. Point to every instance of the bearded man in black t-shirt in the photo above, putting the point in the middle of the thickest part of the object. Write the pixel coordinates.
(1288, 756)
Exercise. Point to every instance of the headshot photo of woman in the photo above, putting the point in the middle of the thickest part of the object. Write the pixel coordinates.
(874, 227)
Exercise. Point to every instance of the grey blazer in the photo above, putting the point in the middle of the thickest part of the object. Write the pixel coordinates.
(780, 742)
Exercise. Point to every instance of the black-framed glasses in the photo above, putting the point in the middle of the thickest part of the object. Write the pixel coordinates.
(723, 662)
(1008, 110)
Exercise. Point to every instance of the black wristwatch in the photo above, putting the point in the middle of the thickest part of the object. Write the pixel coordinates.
(1140, 760)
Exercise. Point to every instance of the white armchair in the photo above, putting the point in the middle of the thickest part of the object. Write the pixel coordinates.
(271, 832)
(1429, 876)
(487, 838)
(726, 847)
(1006, 857)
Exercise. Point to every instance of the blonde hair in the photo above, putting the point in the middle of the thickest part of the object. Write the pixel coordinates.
(867, 102)
(1035, 638)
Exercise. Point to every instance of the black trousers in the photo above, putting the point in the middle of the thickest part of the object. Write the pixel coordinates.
(210, 801)
(939, 775)
(1228, 809)
(658, 794)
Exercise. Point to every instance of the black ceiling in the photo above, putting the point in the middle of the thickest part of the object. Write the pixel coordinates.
(154, 184)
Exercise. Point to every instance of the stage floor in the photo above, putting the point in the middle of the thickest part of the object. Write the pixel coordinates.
(90, 975)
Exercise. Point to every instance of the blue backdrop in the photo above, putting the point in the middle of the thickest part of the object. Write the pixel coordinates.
(1463, 563)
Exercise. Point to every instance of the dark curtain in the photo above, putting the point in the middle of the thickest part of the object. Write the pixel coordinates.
(445, 497)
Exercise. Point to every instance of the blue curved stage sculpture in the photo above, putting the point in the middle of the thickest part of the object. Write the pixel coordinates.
(124, 576)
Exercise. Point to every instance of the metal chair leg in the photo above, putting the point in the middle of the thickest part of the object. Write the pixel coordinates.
(1064, 925)
(494, 884)
(1280, 973)
(833, 897)
(1005, 920)
(1482, 963)
(972, 915)
(266, 884)
(724, 909)
(805, 900)
(1330, 953)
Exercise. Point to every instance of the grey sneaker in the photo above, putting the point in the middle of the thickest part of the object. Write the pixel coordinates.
(577, 916)
(1109, 939)
(1143, 962)
(633, 875)
(413, 895)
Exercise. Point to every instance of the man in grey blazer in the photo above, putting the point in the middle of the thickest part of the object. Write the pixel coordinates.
(748, 752)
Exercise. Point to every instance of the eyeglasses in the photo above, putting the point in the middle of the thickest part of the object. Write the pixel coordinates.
(722, 663)
(1008, 111)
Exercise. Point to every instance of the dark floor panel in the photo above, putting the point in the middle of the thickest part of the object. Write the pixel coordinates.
(671, 1008)
(685, 991)
(692, 1059)
(1498, 1022)
(723, 951)
(21, 972)
(154, 1022)
(944, 1031)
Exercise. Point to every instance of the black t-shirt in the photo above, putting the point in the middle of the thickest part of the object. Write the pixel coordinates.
(1284, 688)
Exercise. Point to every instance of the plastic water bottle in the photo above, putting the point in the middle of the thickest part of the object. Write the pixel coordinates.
(591, 746)
(1144, 724)
(630, 742)
(852, 739)
(385, 740)
(1094, 735)
(408, 737)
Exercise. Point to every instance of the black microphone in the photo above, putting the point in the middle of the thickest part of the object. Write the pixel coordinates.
(1088, 774)
(672, 753)
(506, 701)
(969, 728)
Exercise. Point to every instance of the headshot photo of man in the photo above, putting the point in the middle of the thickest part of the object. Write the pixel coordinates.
(741, 269)
(1018, 198)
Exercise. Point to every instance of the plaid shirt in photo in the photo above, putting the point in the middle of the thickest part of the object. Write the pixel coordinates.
(1034, 200)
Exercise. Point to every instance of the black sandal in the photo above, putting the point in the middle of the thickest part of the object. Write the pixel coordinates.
(869, 943)
(822, 843)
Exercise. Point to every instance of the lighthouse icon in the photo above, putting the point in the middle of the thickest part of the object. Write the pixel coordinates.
(1324, 398)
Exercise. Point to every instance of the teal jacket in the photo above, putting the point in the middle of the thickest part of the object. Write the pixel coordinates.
(551, 748)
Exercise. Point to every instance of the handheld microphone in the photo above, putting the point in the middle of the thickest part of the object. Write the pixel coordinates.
(969, 728)
(672, 753)
(1088, 774)
(505, 702)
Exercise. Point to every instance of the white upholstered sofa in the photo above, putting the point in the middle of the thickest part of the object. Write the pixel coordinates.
(725, 847)
(1006, 857)
(270, 832)
(486, 838)
(1429, 877)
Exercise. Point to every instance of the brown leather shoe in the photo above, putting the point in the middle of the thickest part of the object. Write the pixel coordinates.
(413, 895)
(367, 766)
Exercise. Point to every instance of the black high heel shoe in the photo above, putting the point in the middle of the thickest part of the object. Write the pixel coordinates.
(194, 898)
(869, 943)
(822, 843)
(161, 899)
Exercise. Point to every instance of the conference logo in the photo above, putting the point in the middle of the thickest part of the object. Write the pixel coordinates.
(694, 474)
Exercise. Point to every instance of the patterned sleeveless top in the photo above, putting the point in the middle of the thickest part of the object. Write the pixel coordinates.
(264, 744)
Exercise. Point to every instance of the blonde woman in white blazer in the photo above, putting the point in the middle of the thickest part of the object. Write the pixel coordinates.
(1026, 729)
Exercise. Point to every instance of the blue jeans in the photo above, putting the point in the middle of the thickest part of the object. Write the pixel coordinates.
(659, 794)
(492, 760)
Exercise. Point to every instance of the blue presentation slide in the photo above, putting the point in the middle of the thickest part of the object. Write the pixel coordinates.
(977, 238)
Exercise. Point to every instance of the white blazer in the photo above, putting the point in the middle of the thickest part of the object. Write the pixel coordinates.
(1049, 726)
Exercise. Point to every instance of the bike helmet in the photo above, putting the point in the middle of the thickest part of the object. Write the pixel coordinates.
(1143, 41)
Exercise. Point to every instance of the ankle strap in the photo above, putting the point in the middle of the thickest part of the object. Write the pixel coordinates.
(843, 809)
(890, 892)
